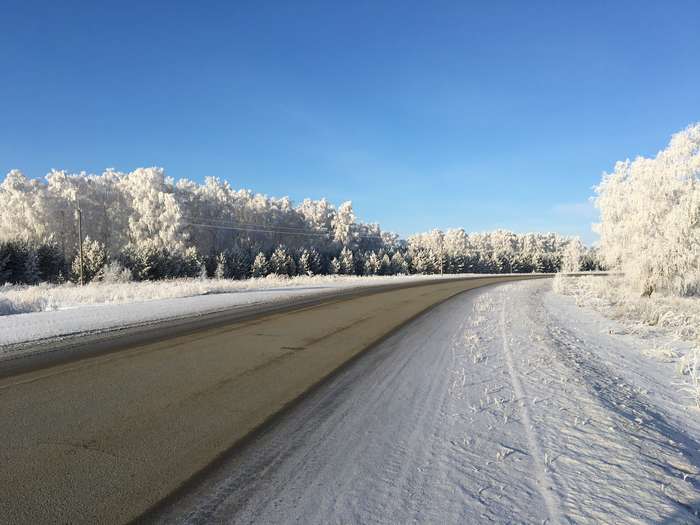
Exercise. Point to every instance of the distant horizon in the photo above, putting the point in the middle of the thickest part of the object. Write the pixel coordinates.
(475, 116)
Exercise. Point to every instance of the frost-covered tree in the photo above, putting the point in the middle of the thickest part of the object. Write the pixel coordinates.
(342, 224)
(305, 266)
(94, 261)
(573, 253)
(371, 264)
(222, 270)
(259, 267)
(280, 262)
(650, 218)
(315, 261)
(156, 217)
(399, 264)
(385, 265)
(335, 267)
(23, 212)
(422, 262)
(346, 260)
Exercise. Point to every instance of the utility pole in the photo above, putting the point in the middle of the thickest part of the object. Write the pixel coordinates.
(80, 240)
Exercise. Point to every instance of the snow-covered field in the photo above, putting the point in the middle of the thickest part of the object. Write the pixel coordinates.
(33, 313)
(509, 404)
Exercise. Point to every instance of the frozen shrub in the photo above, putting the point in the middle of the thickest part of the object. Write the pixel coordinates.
(114, 272)
(689, 367)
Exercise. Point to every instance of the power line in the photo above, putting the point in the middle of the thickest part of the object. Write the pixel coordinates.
(272, 230)
(225, 222)
(254, 230)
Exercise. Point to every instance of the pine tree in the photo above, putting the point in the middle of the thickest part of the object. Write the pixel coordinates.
(537, 263)
(422, 262)
(31, 266)
(94, 260)
(385, 265)
(371, 264)
(399, 264)
(305, 263)
(315, 260)
(259, 267)
(5, 271)
(191, 263)
(279, 261)
(51, 262)
(146, 262)
(347, 265)
(335, 267)
(222, 271)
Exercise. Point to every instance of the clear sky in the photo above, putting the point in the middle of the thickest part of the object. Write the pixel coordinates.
(424, 114)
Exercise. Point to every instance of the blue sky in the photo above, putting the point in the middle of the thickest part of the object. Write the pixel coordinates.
(424, 114)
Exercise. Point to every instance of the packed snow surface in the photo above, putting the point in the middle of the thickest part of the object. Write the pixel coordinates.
(508, 404)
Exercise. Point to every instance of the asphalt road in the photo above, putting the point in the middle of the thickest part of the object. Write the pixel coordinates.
(106, 433)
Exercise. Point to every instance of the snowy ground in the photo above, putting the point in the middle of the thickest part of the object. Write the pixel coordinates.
(508, 404)
(34, 313)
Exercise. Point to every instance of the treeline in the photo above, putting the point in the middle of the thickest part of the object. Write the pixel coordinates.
(144, 226)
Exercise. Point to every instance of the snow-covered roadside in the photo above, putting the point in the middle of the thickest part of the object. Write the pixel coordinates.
(101, 307)
(617, 440)
(667, 326)
(678, 316)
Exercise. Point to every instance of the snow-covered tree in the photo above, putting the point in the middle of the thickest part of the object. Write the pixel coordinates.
(305, 263)
(371, 264)
(422, 262)
(572, 256)
(335, 267)
(342, 224)
(346, 260)
(259, 268)
(222, 271)
(94, 260)
(385, 265)
(156, 217)
(399, 264)
(650, 218)
(280, 262)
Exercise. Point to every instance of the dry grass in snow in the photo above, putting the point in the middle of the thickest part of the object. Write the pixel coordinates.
(667, 314)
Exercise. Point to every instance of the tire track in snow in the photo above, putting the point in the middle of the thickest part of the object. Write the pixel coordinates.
(544, 482)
